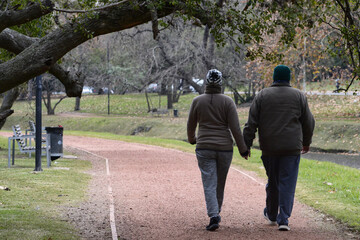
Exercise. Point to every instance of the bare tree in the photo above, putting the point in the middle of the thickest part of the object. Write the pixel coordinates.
(49, 85)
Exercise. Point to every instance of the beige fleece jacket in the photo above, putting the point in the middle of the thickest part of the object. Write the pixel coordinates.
(218, 122)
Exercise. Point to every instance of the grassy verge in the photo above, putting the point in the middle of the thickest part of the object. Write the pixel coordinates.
(32, 208)
(341, 135)
(328, 187)
(337, 136)
(337, 118)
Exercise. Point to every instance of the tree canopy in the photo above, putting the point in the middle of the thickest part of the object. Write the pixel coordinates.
(37, 34)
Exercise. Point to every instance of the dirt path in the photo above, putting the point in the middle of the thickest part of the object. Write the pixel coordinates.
(157, 194)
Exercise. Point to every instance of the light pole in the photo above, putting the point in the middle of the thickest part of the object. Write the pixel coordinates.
(38, 119)
(38, 124)
(304, 61)
(108, 70)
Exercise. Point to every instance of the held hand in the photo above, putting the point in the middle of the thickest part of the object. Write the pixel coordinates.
(305, 149)
(192, 142)
(246, 154)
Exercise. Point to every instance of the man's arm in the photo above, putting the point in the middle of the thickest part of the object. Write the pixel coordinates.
(252, 124)
(307, 123)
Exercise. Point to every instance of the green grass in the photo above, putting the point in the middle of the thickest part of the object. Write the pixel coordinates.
(328, 187)
(335, 107)
(134, 105)
(331, 188)
(337, 135)
(32, 208)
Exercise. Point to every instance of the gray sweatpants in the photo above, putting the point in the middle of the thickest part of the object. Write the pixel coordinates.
(214, 167)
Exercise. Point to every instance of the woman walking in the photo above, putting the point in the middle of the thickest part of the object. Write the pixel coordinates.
(218, 121)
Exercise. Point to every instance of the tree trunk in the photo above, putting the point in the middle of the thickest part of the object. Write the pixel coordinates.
(30, 12)
(8, 102)
(30, 90)
(169, 100)
(50, 110)
(163, 90)
(236, 98)
(77, 104)
(147, 101)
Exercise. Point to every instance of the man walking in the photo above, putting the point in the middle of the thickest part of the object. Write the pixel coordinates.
(282, 116)
(218, 121)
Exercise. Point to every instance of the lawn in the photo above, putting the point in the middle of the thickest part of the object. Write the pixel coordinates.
(33, 207)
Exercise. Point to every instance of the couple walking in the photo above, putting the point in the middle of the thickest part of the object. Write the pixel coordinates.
(285, 124)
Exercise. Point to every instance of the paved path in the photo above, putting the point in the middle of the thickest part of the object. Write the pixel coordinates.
(157, 194)
(350, 160)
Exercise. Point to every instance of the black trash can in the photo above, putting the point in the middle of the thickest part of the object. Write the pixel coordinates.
(176, 113)
(56, 141)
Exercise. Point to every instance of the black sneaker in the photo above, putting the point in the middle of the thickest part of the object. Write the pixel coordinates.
(214, 223)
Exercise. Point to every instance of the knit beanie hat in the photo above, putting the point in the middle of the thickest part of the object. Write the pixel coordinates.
(282, 73)
(214, 77)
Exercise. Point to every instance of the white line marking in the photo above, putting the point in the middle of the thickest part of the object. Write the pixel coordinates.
(111, 197)
(247, 175)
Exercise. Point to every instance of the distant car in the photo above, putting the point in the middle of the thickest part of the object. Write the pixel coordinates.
(191, 89)
(199, 82)
(87, 90)
(152, 88)
(104, 90)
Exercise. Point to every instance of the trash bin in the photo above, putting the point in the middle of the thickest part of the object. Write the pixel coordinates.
(175, 113)
(56, 141)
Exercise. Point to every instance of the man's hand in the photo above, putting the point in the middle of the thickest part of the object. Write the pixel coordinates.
(246, 154)
(193, 141)
(305, 149)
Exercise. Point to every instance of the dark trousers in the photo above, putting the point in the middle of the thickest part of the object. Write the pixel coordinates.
(282, 172)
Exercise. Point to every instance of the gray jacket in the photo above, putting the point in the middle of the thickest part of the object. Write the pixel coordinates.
(282, 116)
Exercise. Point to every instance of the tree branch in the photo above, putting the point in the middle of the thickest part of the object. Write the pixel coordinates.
(5, 114)
(16, 42)
(62, 98)
(43, 54)
(34, 10)
(91, 10)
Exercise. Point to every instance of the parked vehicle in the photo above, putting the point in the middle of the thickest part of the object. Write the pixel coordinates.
(104, 90)
(87, 90)
(152, 88)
